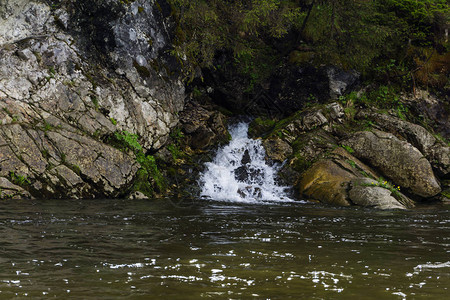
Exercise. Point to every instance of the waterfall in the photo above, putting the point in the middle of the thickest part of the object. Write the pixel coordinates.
(240, 173)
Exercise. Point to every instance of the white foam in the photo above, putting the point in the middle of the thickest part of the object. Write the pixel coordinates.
(220, 182)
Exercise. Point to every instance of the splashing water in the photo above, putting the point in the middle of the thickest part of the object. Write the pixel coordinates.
(240, 173)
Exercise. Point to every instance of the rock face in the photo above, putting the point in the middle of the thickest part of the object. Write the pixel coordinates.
(437, 152)
(412, 161)
(434, 111)
(327, 182)
(203, 126)
(289, 88)
(399, 160)
(70, 76)
(277, 149)
(341, 179)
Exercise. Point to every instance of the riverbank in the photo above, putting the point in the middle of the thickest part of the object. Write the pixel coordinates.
(95, 103)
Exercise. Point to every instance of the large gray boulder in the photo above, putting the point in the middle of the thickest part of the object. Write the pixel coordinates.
(436, 151)
(398, 160)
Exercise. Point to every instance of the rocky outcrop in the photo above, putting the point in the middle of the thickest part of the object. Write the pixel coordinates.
(326, 182)
(289, 88)
(433, 110)
(71, 75)
(277, 149)
(203, 126)
(404, 164)
(322, 170)
(436, 151)
(341, 179)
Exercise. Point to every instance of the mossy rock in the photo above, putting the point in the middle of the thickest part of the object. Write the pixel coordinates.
(260, 127)
(326, 182)
(300, 57)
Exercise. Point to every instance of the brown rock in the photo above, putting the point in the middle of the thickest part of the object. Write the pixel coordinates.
(277, 149)
(327, 182)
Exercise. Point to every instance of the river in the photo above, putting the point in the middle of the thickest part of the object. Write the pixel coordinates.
(158, 249)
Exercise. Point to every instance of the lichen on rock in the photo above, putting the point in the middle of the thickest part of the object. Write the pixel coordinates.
(67, 83)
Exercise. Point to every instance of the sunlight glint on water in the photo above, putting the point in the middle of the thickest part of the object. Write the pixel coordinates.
(150, 249)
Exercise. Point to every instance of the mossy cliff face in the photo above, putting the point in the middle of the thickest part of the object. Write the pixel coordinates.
(72, 74)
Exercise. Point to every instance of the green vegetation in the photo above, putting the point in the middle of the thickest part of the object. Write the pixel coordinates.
(175, 148)
(446, 194)
(351, 163)
(300, 163)
(348, 149)
(383, 97)
(113, 121)
(261, 126)
(52, 71)
(94, 100)
(400, 41)
(18, 179)
(442, 139)
(395, 190)
(148, 173)
(47, 126)
(4, 195)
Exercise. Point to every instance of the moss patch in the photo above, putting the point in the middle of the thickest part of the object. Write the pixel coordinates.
(149, 179)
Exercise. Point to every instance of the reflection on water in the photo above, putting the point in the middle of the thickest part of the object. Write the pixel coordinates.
(152, 249)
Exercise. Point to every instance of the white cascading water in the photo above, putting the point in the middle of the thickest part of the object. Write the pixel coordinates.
(240, 173)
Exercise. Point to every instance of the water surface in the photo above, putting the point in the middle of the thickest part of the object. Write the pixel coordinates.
(94, 249)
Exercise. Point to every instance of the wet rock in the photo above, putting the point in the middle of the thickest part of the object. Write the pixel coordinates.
(250, 191)
(202, 138)
(397, 160)
(246, 158)
(203, 126)
(326, 182)
(194, 116)
(364, 192)
(248, 174)
(277, 149)
(137, 196)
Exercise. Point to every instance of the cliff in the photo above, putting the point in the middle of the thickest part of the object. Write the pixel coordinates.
(75, 77)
